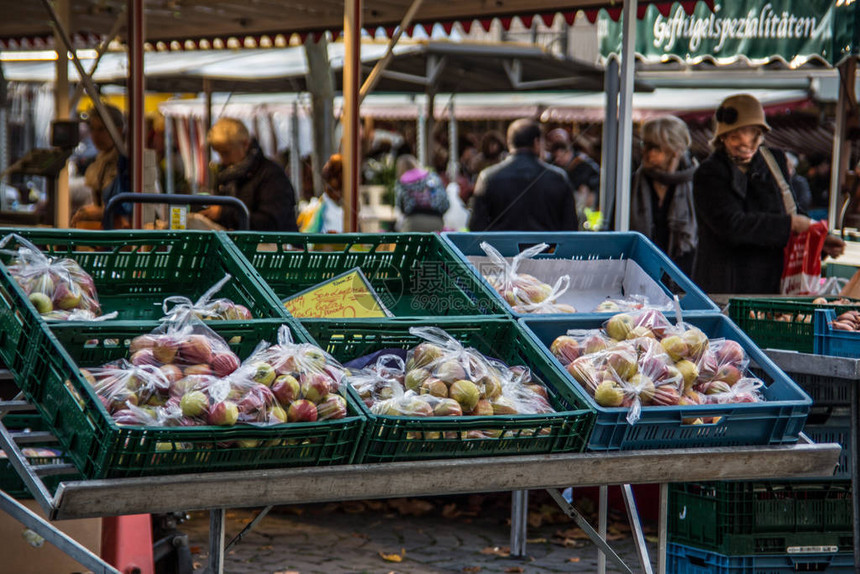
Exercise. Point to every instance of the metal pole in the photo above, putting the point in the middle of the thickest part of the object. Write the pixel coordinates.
(351, 141)
(662, 528)
(602, 523)
(168, 154)
(609, 158)
(839, 162)
(636, 527)
(207, 120)
(89, 86)
(625, 117)
(100, 50)
(4, 154)
(46, 530)
(519, 522)
(216, 541)
(60, 203)
(430, 121)
(453, 144)
(136, 95)
(295, 152)
(421, 135)
(380, 66)
(855, 479)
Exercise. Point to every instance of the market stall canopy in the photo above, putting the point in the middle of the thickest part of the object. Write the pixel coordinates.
(792, 33)
(438, 66)
(180, 24)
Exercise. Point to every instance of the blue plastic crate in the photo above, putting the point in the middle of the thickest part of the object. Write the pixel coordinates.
(834, 342)
(590, 246)
(778, 420)
(687, 560)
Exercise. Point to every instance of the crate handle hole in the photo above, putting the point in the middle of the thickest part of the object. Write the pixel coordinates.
(548, 251)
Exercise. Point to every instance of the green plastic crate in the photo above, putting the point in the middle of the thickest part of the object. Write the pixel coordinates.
(745, 518)
(400, 438)
(785, 323)
(102, 449)
(415, 274)
(135, 270)
(10, 482)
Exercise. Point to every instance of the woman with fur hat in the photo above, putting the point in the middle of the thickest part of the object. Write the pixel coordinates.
(743, 223)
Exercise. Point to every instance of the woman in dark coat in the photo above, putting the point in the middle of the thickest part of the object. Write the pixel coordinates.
(743, 224)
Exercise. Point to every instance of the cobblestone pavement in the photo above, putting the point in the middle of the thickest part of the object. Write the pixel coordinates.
(436, 535)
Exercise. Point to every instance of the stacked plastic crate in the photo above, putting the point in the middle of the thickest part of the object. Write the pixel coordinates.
(133, 272)
(737, 527)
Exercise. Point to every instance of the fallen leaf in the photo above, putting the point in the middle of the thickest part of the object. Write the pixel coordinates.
(197, 565)
(267, 547)
(394, 557)
(652, 539)
(574, 559)
(287, 572)
(472, 569)
(514, 570)
(536, 541)
(497, 550)
(194, 549)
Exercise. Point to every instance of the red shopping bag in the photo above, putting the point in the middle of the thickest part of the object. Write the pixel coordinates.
(801, 268)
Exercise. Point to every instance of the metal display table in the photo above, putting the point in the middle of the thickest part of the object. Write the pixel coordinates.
(265, 488)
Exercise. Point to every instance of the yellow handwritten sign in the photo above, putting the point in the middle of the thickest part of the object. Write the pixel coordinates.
(347, 296)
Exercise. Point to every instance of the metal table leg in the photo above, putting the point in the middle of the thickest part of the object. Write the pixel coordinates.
(216, 541)
(638, 537)
(519, 522)
(662, 528)
(58, 538)
(580, 520)
(855, 480)
(602, 523)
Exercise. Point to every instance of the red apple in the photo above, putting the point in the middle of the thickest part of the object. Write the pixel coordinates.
(302, 411)
(224, 363)
(196, 349)
(286, 389)
(224, 413)
(333, 406)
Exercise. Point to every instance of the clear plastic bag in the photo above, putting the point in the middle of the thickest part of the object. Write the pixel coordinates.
(550, 304)
(206, 308)
(304, 380)
(52, 285)
(516, 288)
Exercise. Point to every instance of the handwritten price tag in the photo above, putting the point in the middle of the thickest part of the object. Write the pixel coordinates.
(347, 296)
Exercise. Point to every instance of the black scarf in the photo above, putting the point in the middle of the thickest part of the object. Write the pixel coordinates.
(228, 178)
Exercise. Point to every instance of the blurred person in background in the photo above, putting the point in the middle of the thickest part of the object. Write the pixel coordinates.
(661, 202)
(523, 193)
(582, 171)
(246, 174)
(420, 195)
(107, 175)
(324, 214)
(492, 151)
(798, 183)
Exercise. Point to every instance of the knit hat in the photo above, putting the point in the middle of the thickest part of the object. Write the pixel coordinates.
(739, 111)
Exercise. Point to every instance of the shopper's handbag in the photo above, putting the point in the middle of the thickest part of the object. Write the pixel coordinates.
(801, 269)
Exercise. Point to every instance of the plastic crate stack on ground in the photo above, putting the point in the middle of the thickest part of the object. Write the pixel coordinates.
(133, 273)
(725, 528)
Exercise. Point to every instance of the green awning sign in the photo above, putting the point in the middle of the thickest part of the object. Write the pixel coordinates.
(794, 30)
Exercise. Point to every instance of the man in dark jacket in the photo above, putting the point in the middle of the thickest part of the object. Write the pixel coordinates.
(523, 193)
(251, 177)
(743, 224)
